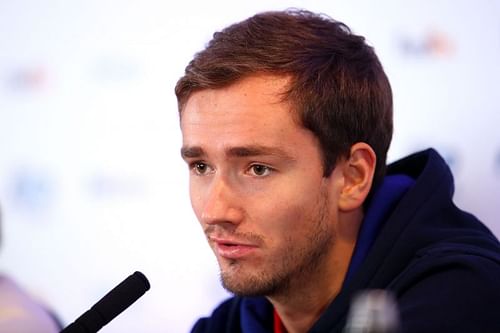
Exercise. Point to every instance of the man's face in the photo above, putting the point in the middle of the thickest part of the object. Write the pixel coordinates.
(257, 186)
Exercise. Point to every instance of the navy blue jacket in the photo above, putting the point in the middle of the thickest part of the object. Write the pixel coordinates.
(440, 262)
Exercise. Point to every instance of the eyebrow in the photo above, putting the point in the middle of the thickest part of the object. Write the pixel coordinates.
(192, 152)
(256, 150)
(243, 151)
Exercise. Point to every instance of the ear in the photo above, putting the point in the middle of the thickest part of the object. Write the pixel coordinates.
(357, 171)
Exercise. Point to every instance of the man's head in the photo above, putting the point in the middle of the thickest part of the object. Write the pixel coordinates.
(338, 88)
(280, 117)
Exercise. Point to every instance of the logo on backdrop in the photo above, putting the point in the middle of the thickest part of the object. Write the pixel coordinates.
(27, 79)
(433, 43)
(31, 190)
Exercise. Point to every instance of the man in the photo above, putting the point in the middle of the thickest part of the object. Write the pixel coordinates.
(286, 120)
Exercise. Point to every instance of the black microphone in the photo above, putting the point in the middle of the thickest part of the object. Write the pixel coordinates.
(373, 311)
(111, 305)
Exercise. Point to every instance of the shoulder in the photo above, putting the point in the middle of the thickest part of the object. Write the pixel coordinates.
(451, 288)
(225, 318)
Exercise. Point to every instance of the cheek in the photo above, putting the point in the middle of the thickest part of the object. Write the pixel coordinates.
(292, 213)
(284, 218)
(196, 197)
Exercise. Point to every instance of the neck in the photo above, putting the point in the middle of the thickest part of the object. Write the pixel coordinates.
(303, 303)
(298, 313)
(307, 297)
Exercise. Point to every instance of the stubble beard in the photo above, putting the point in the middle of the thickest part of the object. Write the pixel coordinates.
(293, 266)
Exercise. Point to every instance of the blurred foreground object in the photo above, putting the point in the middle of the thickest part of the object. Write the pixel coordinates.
(19, 313)
(373, 311)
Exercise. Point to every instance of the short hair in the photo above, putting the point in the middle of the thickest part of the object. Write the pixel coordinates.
(337, 88)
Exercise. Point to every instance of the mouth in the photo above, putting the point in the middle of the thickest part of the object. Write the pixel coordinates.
(232, 249)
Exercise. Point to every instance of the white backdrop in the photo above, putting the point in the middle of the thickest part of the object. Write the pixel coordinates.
(92, 187)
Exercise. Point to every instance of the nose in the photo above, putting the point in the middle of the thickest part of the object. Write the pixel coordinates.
(221, 204)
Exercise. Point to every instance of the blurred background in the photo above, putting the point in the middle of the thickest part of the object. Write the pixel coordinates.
(92, 186)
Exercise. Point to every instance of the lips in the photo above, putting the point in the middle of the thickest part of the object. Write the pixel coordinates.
(232, 249)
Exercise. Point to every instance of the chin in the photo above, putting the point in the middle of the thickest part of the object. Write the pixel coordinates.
(256, 284)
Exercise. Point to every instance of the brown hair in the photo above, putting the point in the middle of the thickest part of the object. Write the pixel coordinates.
(338, 87)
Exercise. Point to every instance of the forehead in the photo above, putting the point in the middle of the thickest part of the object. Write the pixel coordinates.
(249, 109)
(255, 91)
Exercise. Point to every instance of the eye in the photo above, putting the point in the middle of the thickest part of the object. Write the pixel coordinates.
(200, 168)
(260, 170)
